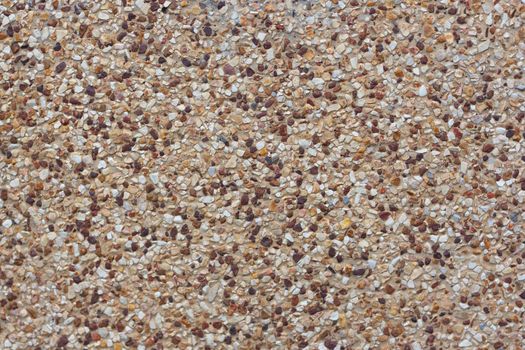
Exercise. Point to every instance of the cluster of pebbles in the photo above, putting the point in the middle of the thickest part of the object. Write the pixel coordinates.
(183, 174)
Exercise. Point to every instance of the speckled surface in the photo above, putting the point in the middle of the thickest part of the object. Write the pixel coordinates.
(262, 175)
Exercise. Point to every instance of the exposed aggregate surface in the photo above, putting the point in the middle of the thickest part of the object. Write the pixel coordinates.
(262, 174)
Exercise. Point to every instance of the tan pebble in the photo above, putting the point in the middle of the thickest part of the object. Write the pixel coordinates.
(309, 55)
(441, 39)
(428, 30)
(468, 90)
(346, 223)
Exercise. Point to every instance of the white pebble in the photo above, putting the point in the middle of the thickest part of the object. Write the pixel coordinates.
(154, 177)
(465, 343)
(102, 164)
(260, 145)
(76, 157)
(103, 16)
(44, 173)
(207, 199)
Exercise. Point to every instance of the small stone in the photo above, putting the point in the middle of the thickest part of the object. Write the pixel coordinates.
(465, 343)
(346, 223)
(103, 16)
(90, 90)
(358, 272)
(186, 62)
(62, 341)
(484, 46)
(330, 343)
(208, 31)
(309, 55)
(428, 30)
(144, 8)
(231, 163)
(228, 69)
(207, 199)
(102, 273)
(389, 289)
(245, 199)
(7, 223)
(397, 330)
(487, 148)
(60, 67)
(266, 241)
(43, 175)
(384, 215)
(422, 91)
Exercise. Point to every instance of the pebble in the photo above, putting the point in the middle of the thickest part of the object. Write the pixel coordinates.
(465, 343)
(7, 223)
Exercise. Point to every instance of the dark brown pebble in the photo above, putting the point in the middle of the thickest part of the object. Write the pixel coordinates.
(186, 62)
(394, 146)
(297, 257)
(487, 148)
(208, 31)
(389, 289)
(269, 102)
(358, 272)
(266, 241)
(197, 332)
(90, 90)
(62, 341)
(522, 295)
(154, 134)
(60, 67)
(245, 199)
(228, 69)
(330, 343)
(384, 215)
(498, 345)
(154, 6)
